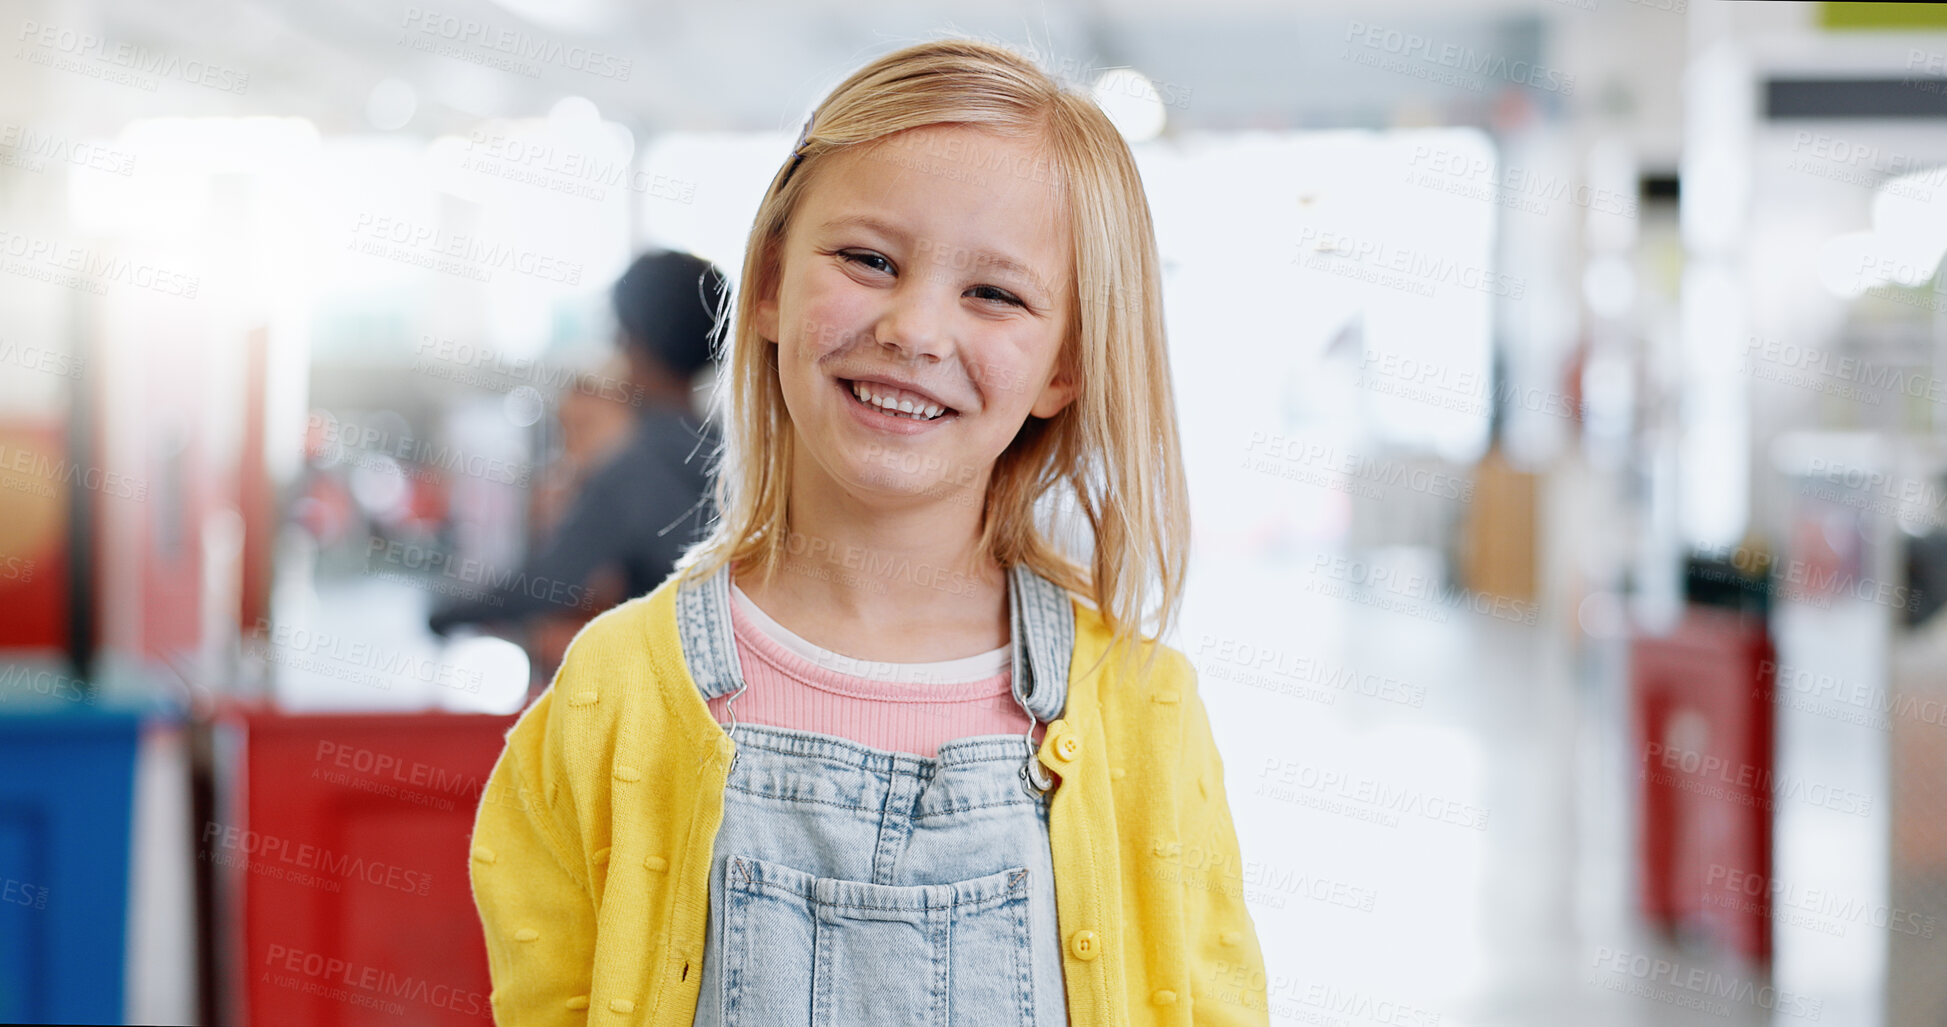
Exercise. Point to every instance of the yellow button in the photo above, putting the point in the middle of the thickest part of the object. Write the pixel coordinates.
(1116, 773)
(656, 863)
(627, 774)
(578, 1002)
(483, 854)
(1231, 937)
(621, 1005)
(526, 934)
(1162, 996)
(1067, 747)
(601, 855)
(1084, 945)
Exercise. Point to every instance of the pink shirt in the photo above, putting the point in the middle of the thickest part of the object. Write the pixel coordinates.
(898, 707)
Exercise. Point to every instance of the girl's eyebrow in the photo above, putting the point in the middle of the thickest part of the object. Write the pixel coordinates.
(987, 258)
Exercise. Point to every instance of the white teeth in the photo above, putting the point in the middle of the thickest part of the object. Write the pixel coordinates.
(918, 411)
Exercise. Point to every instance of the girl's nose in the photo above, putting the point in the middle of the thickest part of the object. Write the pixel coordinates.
(915, 323)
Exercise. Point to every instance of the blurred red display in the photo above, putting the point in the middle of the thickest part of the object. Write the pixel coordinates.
(351, 857)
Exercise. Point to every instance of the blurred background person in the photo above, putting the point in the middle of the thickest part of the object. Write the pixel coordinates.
(643, 498)
(597, 419)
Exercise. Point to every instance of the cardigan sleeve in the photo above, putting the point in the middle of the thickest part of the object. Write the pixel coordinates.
(1227, 978)
(537, 913)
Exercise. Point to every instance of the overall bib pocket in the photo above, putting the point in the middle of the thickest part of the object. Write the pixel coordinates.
(832, 952)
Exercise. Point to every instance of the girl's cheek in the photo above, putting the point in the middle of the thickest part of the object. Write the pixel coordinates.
(826, 326)
(1007, 377)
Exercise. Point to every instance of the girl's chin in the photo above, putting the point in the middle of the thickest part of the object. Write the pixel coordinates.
(877, 482)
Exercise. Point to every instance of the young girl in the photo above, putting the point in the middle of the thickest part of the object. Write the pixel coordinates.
(878, 752)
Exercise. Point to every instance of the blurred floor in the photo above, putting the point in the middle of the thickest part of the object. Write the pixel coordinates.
(1471, 861)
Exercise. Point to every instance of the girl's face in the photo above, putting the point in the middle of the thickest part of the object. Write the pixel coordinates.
(918, 311)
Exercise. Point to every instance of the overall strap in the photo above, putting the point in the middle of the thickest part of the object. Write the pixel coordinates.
(703, 624)
(1043, 619)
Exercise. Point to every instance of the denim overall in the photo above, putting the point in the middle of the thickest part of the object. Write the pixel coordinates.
(851, 885)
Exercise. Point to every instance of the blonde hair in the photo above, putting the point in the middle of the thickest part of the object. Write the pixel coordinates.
(1114, 447)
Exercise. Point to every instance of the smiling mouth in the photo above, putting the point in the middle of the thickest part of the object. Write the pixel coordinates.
(894, 402)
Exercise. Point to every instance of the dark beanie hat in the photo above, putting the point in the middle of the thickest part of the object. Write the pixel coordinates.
(667, 303)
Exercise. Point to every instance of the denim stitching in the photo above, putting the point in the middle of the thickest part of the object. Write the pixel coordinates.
(753, 793)
(970, 904)
(856, 756)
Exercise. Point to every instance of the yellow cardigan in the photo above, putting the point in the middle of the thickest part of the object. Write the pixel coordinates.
(592, 845)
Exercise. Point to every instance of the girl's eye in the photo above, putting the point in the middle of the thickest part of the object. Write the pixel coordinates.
(998, 294)
(865, 257)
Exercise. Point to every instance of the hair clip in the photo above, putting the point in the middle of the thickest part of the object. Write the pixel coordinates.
(804, 134)
(797, 150)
